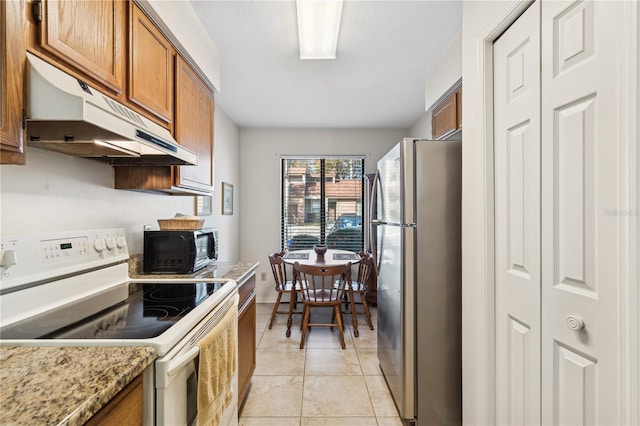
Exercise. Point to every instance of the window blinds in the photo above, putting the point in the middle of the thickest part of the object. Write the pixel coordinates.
(322, 203)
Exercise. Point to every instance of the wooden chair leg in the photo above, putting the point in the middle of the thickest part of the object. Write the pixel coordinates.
(290, 319)
(305, 324)
(333, 319)
(301, 321)
(365, 306)
(275, 310)
(354, 317)
(338, 315)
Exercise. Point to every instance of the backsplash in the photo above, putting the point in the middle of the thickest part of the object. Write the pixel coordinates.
(56, 192)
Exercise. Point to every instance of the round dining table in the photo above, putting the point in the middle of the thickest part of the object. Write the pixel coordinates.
(332, 257)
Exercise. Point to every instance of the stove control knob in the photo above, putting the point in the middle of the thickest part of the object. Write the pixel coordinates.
(111, 243)
(121, 242)
(100, 244)
(8, 258)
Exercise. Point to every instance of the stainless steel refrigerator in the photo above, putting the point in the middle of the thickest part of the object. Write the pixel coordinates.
(418, 250)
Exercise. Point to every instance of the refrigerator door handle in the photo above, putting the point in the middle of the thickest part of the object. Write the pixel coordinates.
(373, 221)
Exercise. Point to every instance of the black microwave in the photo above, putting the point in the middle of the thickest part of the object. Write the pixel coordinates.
(179, 252)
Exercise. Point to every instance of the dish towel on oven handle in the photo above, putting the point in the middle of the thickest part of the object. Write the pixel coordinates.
(216, 368)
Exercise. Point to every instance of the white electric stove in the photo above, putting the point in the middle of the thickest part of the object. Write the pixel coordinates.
(73, 288)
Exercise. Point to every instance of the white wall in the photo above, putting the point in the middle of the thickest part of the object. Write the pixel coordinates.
(56, 192)
(178, 18)
(445, 73)
(226, 169)
(260, 150)
(422, 127)
(440, 78)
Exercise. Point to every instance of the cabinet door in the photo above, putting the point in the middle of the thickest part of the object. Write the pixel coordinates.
(126, 408)
(151, 67)
(443, 117)
(246, 346)
(194, 126)
(11, 82)
(88, 35)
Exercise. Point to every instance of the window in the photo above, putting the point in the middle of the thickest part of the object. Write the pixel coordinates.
(322, 203)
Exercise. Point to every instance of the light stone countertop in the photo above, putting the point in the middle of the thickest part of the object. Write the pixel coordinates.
(64, 385)
(238, 271)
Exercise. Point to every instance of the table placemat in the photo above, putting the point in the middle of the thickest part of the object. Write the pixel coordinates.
(345, 256)
(296, 256)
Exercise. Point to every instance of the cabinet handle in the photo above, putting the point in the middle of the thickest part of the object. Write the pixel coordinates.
(575, 323)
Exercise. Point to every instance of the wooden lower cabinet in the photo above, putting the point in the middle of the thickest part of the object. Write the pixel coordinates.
(126, 408)
(246, 336)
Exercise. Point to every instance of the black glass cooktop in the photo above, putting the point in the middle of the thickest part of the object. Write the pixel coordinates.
(149, 310)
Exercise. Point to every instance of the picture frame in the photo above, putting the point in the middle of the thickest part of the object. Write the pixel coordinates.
(204, 205)
(227, 198)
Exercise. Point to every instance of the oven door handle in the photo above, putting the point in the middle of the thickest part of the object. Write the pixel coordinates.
(177, 364)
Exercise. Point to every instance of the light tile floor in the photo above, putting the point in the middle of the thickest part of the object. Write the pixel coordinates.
(321, 384)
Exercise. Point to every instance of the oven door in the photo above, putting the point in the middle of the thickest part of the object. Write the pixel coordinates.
(177, 376)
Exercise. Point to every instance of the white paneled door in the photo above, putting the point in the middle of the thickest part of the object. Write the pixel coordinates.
(580, 246)
(557, 179)
(517, 216)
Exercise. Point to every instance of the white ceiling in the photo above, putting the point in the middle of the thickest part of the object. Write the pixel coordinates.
(385, 49)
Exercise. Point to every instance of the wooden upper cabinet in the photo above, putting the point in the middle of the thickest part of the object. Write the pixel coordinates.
(151, 67)
(194, 126)
(12, 60)
(193, 130)
(446, 116)
(87, 35)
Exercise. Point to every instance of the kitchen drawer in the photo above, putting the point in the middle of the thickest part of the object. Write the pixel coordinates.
(246, 289)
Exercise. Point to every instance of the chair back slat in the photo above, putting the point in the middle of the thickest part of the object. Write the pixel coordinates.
(319, 283)
(365, 268)
(278, 269)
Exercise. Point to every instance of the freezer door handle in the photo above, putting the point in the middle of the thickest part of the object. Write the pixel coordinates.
(373, 221)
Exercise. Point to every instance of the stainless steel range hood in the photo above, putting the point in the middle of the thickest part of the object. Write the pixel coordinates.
(66, 115)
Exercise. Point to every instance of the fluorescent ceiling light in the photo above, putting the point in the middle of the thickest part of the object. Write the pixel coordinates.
(318, 27)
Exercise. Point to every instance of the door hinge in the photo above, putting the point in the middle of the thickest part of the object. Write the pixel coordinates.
(36, 10)
(24, 119)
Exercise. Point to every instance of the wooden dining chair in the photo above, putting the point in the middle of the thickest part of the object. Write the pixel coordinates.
(318, 290)
(283, 286)
(359, 287)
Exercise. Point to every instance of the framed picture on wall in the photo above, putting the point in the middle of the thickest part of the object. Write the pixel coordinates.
(203, 205)
(227, 198)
